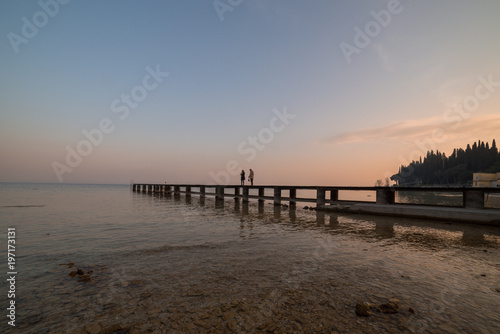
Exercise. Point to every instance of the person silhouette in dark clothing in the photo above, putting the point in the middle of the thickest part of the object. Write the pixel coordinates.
(242, 177)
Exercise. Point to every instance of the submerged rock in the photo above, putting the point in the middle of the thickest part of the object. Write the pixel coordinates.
(85, 278)
(92, 328)
(363, 309)
(389, 308)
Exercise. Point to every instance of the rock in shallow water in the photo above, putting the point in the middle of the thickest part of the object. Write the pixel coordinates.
(92, 328)
(363, 309)
(388, 308)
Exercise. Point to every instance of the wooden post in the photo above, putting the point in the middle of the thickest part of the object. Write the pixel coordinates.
(277, 196)
(293, 196)
(177, 190)
(236, 192)
(202, 191)
(320, 199)
(188, 191)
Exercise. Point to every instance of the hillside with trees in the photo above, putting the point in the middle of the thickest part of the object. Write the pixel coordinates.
(457, 169)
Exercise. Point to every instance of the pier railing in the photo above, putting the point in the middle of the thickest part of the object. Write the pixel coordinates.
(472, 198)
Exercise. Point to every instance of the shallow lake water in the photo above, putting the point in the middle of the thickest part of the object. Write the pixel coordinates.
(175, 264)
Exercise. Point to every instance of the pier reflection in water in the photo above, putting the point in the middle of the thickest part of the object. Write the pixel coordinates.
(415, 231)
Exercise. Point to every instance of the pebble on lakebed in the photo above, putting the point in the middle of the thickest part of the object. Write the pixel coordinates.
(364, 309)
(82, 277)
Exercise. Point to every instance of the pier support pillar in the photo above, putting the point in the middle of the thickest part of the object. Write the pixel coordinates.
(277, 196)
(202, 191)
(385, 196)
(246, 193)
(219, 192)
(177, 190)
(320, 199)
(236, 192)
(261, 194)
(474, 199)
(188, 191)
(293, 196)
(334, 195)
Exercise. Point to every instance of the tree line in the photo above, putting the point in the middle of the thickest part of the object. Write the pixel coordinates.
(457, 169)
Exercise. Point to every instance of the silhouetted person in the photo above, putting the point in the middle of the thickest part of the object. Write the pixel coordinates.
(242, 177)
(250, 176)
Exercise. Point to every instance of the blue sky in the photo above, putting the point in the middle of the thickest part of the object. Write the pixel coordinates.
(355, 118)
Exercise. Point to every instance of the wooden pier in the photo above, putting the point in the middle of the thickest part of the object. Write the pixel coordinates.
(471, 209)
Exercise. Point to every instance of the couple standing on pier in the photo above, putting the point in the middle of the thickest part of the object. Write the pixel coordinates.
(250, 177)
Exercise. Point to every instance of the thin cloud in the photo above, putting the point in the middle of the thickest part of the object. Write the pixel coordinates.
(486, 125)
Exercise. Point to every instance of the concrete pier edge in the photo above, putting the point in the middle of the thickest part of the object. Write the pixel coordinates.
(489, 217)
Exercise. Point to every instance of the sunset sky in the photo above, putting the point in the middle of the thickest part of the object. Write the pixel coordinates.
(303, 92)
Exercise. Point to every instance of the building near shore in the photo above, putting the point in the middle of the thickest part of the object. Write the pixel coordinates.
(486, 180)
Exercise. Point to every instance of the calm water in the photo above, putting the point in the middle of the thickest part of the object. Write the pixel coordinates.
(173, 265)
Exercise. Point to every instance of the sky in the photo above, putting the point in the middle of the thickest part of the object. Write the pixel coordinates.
(189, 91)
